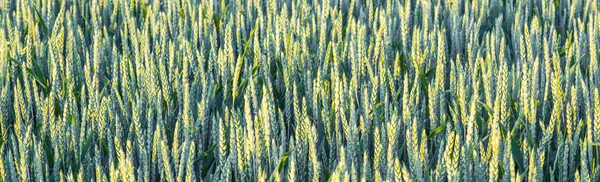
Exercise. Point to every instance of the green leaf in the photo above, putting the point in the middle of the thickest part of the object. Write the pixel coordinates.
(49, 150)
(71, 119)
(479, 121)
(596, 153)
(423, 78)
(518, 124)
(13, 60)
(283, 161)
(36, 72)
(397, 94)
(255, 69)
(208, 152)
(40, 21)
(86, 146)
(217, 89)
(436, 131)
(207, 166)
(430, 72)
(281, 164)
(487, 108)
(378, 104)
(216, 21)
(517, 154)
(210, 160)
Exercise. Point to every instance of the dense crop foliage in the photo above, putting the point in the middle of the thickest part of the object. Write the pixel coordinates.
(294, 90)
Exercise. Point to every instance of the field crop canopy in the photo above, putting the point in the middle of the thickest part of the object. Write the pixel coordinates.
(299, 90)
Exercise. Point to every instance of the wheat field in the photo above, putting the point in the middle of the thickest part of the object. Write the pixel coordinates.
(299, 90)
